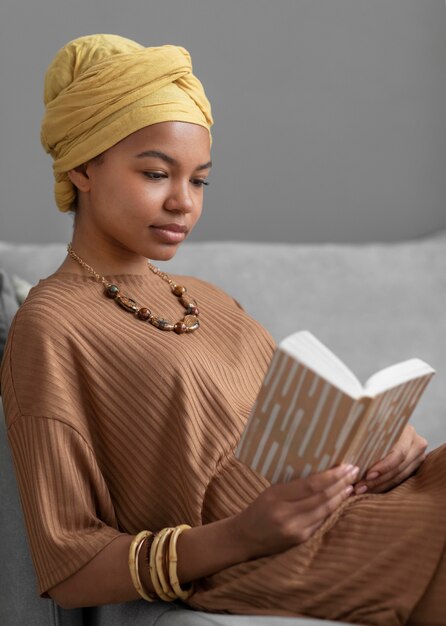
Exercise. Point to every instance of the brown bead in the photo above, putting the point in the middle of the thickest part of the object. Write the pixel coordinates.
(186, 300)
(127, 303)
(180, 327)
(161, 323)
(143, 313)
(192, 310)
(178, 290)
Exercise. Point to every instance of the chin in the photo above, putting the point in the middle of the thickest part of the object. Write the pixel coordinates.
(164, 253)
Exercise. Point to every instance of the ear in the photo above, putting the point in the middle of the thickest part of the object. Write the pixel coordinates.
(79, 178)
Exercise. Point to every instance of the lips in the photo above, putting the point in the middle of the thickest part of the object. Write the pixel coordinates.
(171, 233)
(172, 227)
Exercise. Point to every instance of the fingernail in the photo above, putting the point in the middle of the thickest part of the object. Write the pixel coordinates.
(348, 490)
(354, 471)
(361, 489)
(372, 475)
(347, 468)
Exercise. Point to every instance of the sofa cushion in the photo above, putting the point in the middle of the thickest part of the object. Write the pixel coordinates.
(8, 307)
(21, 288)
(140, 613)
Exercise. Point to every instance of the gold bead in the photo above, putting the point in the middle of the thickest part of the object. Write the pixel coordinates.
(193, 327)
(191, 322)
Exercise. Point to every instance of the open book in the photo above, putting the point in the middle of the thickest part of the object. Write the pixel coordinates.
(312, 413)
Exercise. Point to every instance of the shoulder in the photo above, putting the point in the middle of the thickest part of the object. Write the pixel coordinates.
(50, 306)
(43, 327)
(40, 370)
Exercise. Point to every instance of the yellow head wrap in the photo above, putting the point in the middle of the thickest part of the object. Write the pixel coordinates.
(101, 88)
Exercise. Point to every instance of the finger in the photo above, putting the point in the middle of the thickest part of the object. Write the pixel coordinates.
(322, 504)
(302, 524)
(405, 473)
(413, 458)
(316, 483)
(417, 452)
(319, 485)
(388, 481)
(389, 464)
(397, 455)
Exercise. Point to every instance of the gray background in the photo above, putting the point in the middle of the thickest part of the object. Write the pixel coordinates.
(329, 114)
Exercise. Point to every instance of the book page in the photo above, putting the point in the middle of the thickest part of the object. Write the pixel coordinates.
(304, 347)
(395, 375)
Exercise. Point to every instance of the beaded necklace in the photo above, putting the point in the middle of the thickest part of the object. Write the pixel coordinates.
(187, 324)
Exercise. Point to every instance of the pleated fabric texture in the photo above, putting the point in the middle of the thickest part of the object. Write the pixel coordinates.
(116, 426)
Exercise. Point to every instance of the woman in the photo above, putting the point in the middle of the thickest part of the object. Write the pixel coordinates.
(124, 419)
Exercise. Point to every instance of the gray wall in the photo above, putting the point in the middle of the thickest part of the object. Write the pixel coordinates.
(330, 114)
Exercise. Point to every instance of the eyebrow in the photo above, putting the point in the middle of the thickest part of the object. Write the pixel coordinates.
(165, 157)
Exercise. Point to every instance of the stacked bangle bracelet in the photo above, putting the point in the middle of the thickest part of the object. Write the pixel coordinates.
(135, 548)
(157, 566)
(173, 560)
(162, 562)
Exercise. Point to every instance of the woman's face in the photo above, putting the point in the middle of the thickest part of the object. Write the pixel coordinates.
(146, 194)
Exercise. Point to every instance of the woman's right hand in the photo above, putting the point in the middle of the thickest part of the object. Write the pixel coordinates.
(287, 514)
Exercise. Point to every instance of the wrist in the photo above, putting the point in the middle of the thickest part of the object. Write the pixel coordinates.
(205, 550)
(241, 538)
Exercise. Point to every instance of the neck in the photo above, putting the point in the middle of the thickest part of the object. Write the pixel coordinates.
(103, 263)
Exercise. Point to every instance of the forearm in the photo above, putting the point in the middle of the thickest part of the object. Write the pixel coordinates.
(281, 516)
(207, 549)
(106, 579)
(103, 580)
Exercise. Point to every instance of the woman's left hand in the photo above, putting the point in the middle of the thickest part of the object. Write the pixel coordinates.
(405, 457)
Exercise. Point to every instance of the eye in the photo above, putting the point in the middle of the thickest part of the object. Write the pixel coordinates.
(199, 183)
(154, 175)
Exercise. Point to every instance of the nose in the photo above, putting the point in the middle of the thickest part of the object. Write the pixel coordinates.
(179, 199)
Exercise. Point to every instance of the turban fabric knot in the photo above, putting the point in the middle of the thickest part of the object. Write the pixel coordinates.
(101, 88)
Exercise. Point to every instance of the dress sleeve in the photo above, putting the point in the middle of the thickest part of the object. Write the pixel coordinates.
(66, 504)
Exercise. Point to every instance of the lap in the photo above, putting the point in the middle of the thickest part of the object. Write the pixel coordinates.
(371, 562)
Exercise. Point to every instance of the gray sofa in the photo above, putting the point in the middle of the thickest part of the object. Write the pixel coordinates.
(372, 304)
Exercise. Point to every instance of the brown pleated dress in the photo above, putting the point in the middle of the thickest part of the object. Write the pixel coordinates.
(117, 426)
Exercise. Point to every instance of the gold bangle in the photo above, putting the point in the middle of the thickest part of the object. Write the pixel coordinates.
(153, 568)
(184, 594)
(161, 563)
(135, 548)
